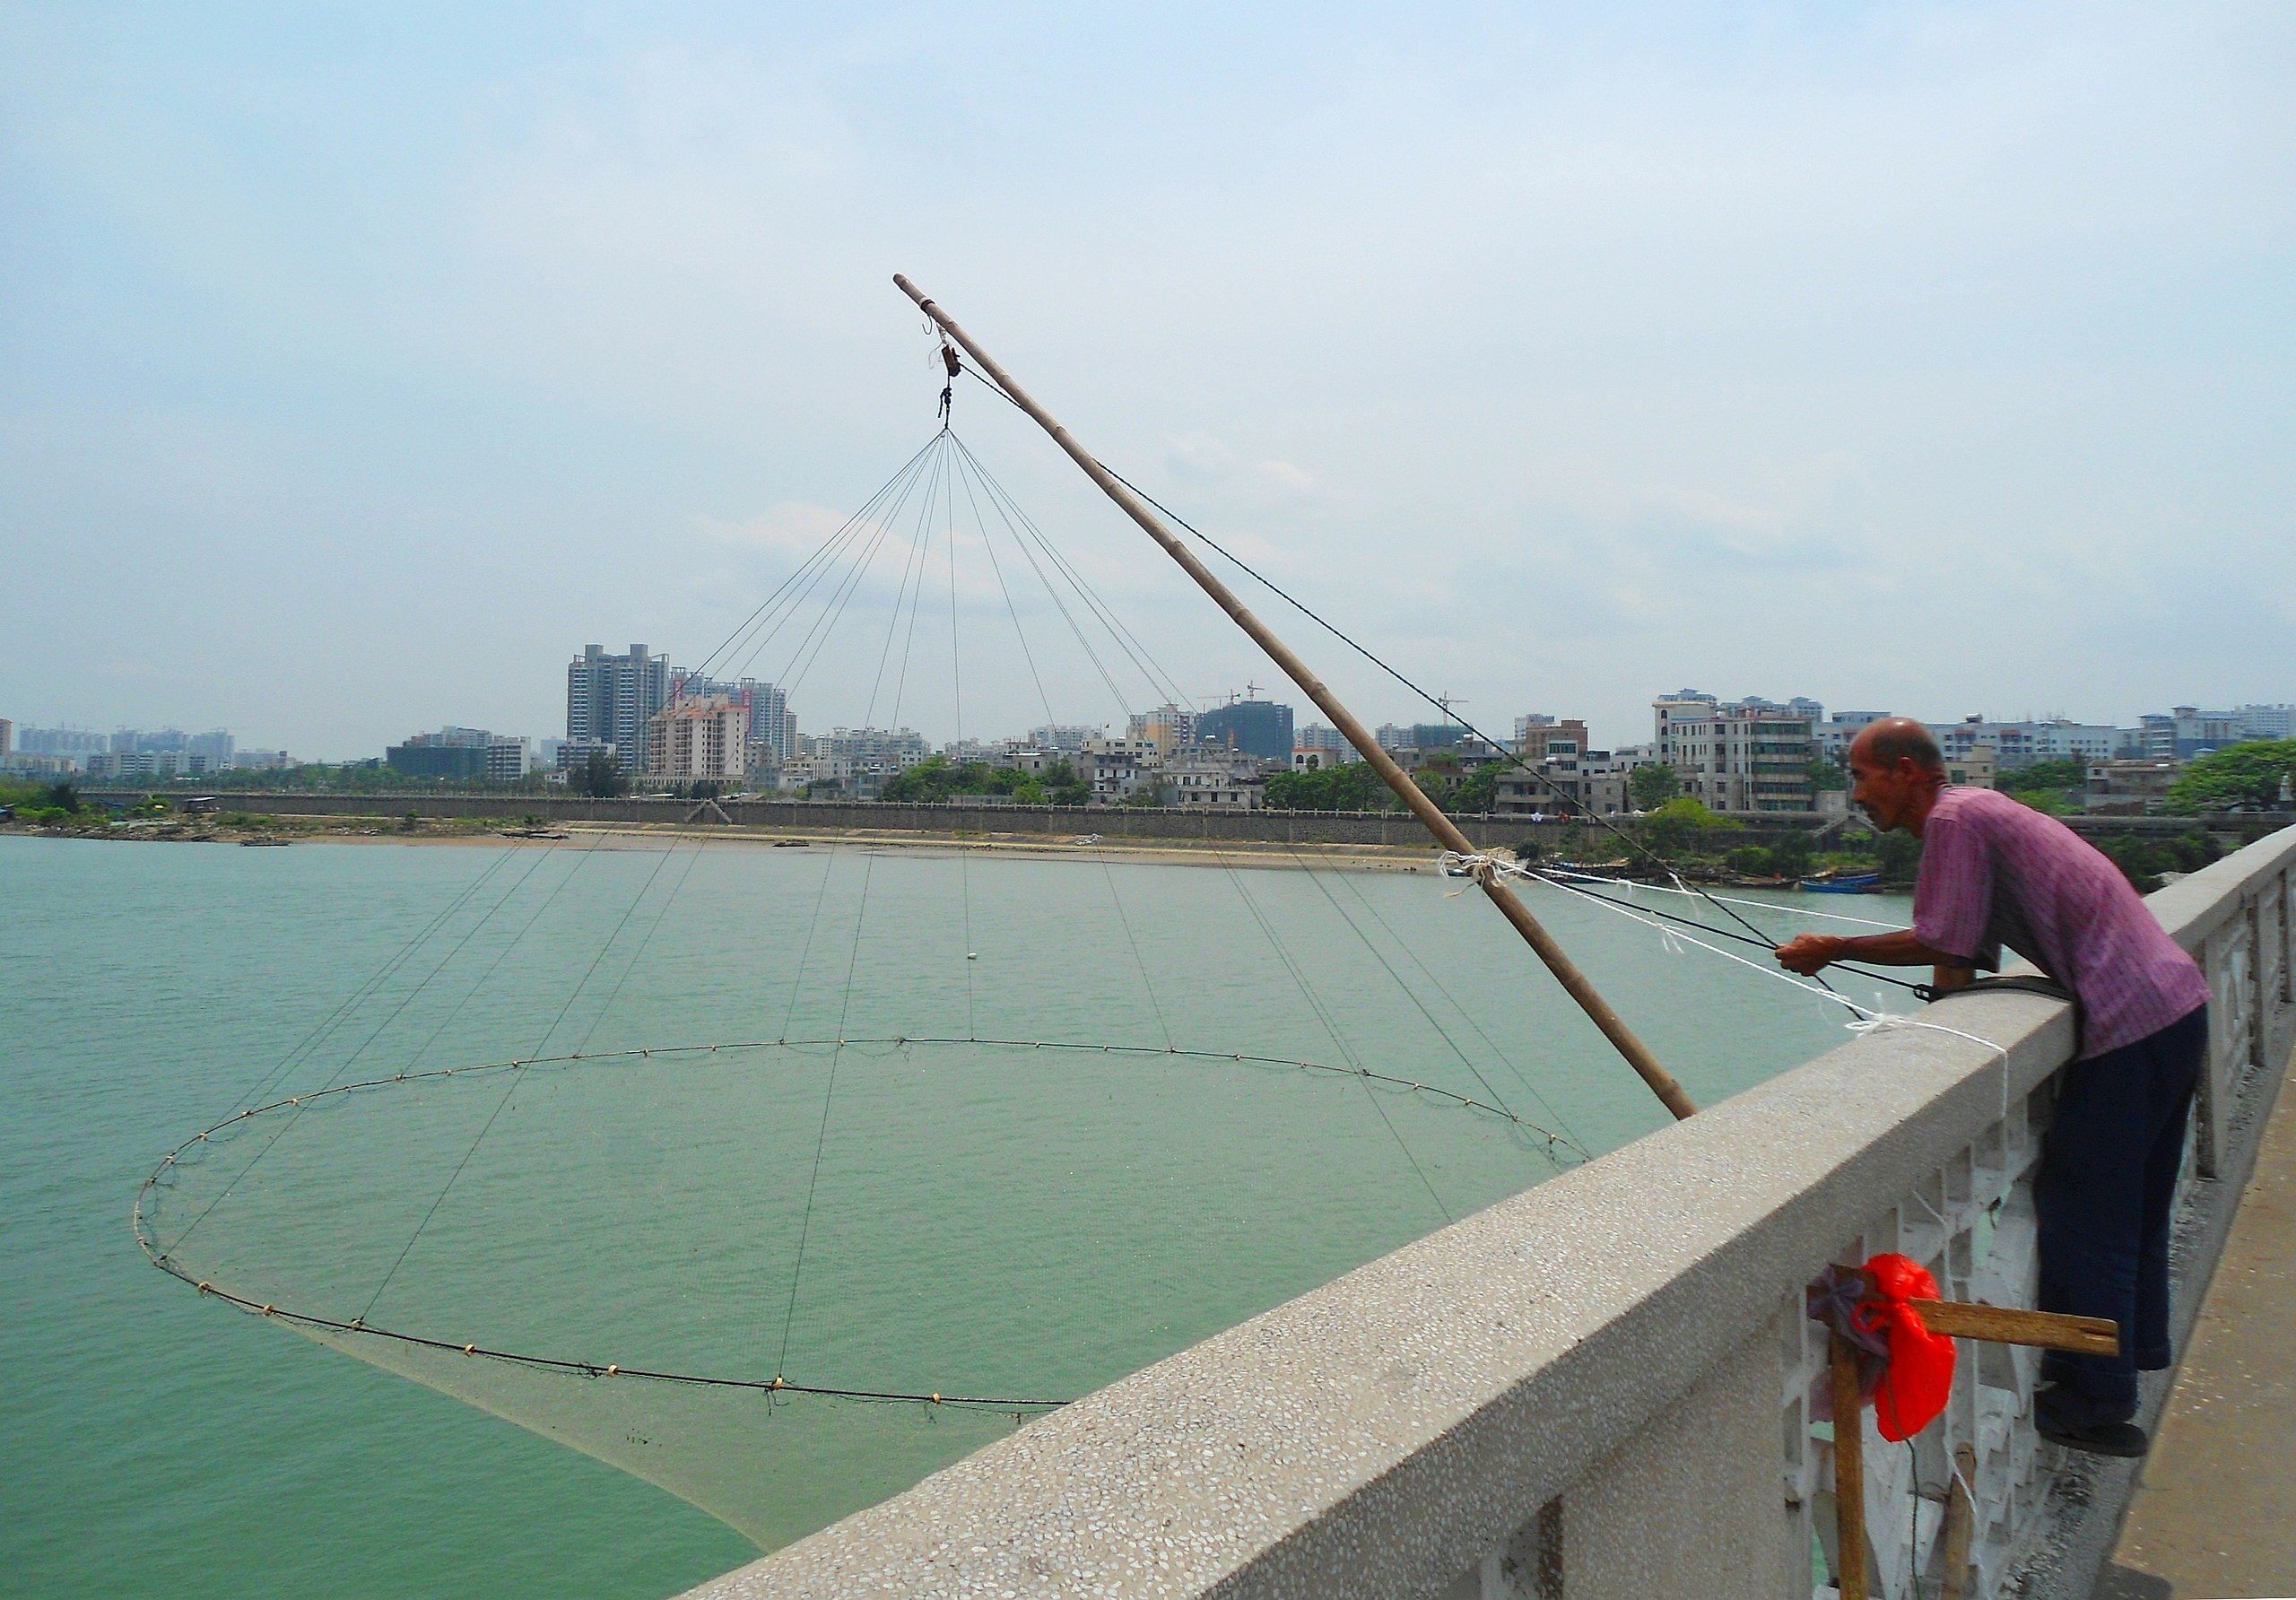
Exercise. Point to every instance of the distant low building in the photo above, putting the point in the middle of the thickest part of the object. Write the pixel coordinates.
(2126, 788)
(1540, 738)
(1974, 768)
(1117, 769)
(1590, 784)
(2017, 746)
(461, 755)
(1835, 734)
(152, 763)
(573, 755)
(2188, 731)
(1751, 756)
(436, 763)
(1204, 780)
(858, 762)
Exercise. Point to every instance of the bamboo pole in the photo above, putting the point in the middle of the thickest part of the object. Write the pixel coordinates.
(2001, 1324)
(1849, 1470)
(1960, 1521)
(1566, 971)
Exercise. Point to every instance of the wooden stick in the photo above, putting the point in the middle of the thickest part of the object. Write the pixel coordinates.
(1849, 1471)
(1613, 1026)
(1960, 1517)
(2049, 1330)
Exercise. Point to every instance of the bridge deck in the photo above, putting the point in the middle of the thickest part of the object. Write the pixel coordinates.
(2215, 1510)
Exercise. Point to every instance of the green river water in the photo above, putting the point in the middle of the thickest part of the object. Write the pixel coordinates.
(974, 1220)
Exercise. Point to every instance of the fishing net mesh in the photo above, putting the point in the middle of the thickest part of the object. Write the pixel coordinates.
(1002, 1226)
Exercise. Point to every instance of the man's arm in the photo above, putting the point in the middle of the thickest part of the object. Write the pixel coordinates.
(1813, 953)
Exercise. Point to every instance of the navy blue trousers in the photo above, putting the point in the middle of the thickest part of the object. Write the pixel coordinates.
(2107, 1176)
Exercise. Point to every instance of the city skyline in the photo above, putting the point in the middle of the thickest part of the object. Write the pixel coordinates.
(35, 736)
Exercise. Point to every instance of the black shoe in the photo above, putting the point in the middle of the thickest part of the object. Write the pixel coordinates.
(2124, 1440)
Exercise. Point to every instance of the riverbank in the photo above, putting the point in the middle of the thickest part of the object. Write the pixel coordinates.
(281, 831)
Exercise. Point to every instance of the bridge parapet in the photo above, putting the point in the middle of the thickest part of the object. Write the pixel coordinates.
(1599, 1387)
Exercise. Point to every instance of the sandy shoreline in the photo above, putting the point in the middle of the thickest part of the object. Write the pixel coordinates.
(1287, 858)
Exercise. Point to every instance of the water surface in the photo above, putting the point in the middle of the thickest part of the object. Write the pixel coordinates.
(990, 1218)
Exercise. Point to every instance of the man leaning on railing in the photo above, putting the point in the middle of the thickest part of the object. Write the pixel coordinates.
(1996, 873)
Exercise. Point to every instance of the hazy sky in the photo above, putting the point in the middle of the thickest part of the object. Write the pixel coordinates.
(359, 365)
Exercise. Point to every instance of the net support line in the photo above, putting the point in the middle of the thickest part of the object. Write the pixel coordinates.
(1606, 1018)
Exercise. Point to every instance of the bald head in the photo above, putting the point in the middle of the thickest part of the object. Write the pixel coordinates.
(1893, 739)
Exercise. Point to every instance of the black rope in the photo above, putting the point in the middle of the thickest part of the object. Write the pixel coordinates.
(1513, 756)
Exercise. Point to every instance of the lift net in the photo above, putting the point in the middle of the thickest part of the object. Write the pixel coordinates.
(927, 1239)
(784, 1177)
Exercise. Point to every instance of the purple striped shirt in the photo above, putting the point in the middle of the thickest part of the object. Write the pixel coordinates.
(1995, 871)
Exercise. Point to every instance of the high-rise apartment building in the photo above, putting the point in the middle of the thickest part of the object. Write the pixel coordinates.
(76, 743)
(1168, 725)
(770, 723)
(1256, 728)
(612, 699)
(703, 738)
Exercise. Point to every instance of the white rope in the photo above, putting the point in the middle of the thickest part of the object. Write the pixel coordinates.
(1869, 1020)
(1515, 870)
(1732, 900)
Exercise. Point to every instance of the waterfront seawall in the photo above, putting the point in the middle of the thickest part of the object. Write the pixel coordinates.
(1391, 829)
(1599, 1386)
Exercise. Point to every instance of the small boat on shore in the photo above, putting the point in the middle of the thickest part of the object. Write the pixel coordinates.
(1849, 883)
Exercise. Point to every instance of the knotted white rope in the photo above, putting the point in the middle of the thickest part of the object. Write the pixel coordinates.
(1867, 1019)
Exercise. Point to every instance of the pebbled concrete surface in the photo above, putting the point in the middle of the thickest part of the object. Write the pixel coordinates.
(2215, 1509)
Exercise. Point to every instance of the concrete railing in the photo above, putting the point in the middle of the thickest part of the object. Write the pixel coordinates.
(1599, 1387)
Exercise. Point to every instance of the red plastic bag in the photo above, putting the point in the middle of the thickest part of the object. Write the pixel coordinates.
(1919, 1377)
